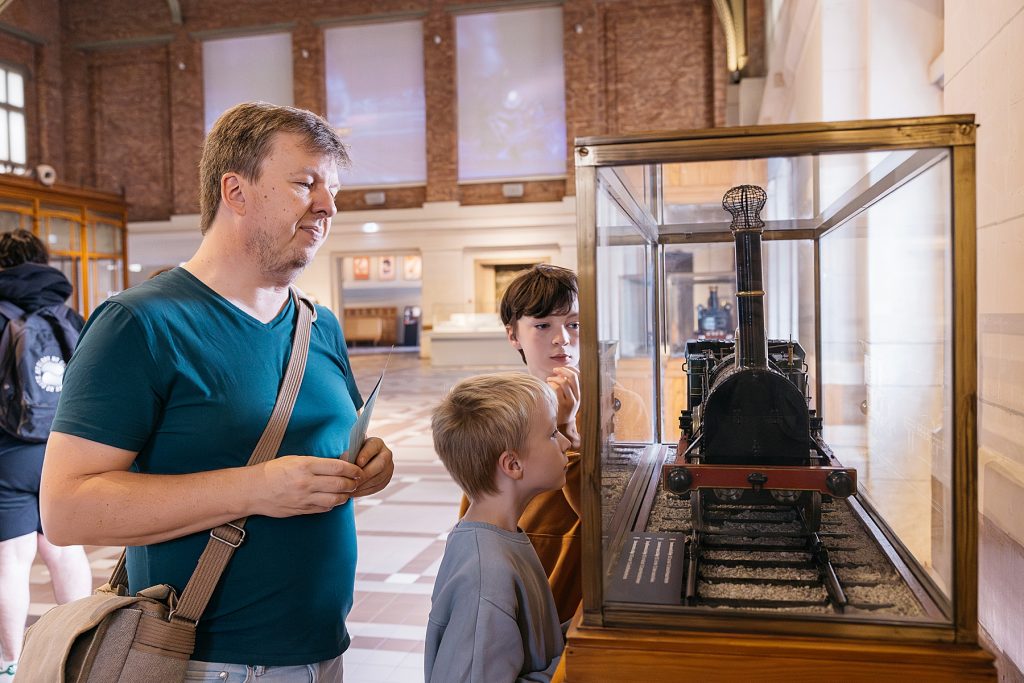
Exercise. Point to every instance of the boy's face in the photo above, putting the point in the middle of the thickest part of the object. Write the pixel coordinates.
(550, 342)
(544, 459)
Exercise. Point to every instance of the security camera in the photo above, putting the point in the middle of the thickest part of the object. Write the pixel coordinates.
(46, 174)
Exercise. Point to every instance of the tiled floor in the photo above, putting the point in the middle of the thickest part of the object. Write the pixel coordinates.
(401, 529)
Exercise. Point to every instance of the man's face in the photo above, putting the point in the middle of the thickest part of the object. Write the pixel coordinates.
(292, 206)
(549, 342)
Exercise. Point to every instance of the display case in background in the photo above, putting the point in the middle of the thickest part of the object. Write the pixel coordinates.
(84, 230)
(868, 265)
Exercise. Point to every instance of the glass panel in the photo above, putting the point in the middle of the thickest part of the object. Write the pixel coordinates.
(375, 98)
(70, 266)
(13, 220)
(3, 85)
(625, 334)
(886, 344)
(105, 238)
(17, 121)
(246, 69)
(62, 234)
(5, 139)
(15, 89)
(511, 100)
(105, 280)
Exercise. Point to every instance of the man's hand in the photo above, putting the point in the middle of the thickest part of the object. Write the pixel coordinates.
(566, 384)
(300, 484)
(378, 466)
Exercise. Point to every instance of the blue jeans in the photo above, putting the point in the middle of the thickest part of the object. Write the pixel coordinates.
(329, 671)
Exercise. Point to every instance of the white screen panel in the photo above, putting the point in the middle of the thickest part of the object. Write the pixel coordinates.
(511, 91)
(237, 70)
(375, 99)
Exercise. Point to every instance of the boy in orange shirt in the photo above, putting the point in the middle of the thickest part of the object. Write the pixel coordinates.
(540, 311)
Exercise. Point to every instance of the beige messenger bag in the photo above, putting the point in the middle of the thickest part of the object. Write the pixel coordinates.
(116, 638)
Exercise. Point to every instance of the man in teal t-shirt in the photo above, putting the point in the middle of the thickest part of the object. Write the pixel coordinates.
(172, 385)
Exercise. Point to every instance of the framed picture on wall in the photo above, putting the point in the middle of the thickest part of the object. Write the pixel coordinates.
(361, 267)
(412, 267)
(386, 267)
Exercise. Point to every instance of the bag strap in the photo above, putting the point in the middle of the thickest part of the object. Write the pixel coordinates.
(11, 311)
(226, 538)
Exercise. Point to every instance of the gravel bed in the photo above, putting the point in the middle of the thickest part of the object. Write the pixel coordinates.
(725, 572)
(764, 592)
(618, 466)
(859, 560)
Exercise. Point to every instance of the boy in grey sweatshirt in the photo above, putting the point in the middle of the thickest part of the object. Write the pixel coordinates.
(493, 618)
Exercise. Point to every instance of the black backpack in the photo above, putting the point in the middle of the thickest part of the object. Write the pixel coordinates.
(34, 350)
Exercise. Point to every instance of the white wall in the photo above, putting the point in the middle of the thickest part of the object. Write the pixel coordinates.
(450, 238)
(984, 75)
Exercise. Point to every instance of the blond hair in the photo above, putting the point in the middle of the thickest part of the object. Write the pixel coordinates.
(241, 139)
(481, 418)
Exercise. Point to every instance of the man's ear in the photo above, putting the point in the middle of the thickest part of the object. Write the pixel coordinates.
(232, 193)
(510, 330)
(510, 466)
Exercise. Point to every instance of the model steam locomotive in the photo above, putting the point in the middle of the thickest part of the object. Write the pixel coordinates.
(747, 435)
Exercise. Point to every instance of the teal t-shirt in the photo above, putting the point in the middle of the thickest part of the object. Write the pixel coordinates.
(174, 371)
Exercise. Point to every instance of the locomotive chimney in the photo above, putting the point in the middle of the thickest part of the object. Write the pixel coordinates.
(745, 202)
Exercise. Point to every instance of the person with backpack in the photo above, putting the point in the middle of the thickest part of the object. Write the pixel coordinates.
(37, 335)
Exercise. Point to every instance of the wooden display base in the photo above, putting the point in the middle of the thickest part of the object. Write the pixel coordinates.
(595, 654)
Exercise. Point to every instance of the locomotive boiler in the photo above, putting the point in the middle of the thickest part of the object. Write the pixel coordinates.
(747, 434)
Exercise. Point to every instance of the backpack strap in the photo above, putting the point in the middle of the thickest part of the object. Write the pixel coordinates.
(226, 538)
(11, 311)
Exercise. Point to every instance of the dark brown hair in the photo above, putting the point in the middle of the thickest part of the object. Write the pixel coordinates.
(21, 246)
(538, 292)
(241, 140)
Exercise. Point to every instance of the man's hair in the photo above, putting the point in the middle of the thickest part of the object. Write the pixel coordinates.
(538, 292)
(241, 140)
(21, 246)
(479, 419)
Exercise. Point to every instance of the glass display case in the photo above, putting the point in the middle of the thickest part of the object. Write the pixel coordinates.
(84, 230)
(844, 305)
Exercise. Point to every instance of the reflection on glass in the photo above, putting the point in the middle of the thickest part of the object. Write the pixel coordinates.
(62, 233)
(3, 85)
(105, 238)
(104, 280)
(12, 220)
(625, 335)
(887, 376)
(70, 267)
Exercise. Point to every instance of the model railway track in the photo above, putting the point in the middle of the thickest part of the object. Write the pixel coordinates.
(762, 557)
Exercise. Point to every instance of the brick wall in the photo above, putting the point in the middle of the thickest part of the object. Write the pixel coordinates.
(116, 85)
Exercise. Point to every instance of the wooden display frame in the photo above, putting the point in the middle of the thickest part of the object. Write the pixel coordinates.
(618, 641)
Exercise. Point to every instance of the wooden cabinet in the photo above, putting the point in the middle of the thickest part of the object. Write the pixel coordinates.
(85, 231)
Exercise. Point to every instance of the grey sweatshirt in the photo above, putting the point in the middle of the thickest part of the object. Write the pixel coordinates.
(492, 616)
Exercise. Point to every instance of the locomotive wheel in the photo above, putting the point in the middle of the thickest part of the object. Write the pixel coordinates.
(698, 500)
(810, 511)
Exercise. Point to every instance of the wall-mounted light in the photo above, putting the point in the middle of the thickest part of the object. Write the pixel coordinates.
(437, 39)
(304, 53)
(578, 28)
(181, 66)
(371, 227)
